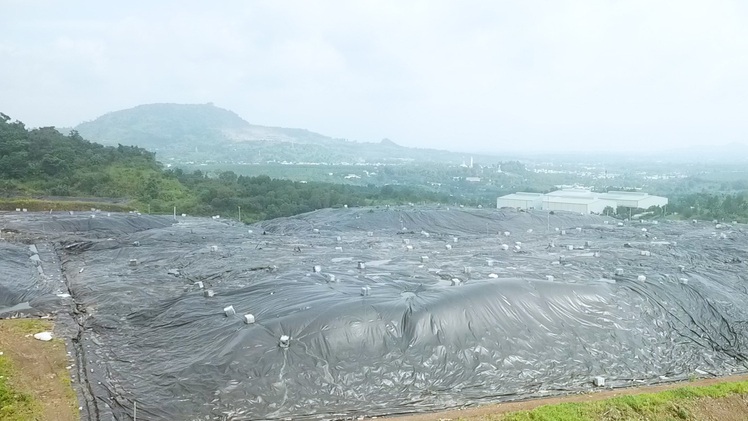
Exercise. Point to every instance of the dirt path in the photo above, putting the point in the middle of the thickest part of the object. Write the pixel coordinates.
(533, 403)
(39, 368)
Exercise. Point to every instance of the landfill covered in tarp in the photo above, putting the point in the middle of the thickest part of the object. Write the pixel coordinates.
(366, 312)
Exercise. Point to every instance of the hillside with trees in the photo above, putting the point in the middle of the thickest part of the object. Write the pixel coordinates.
(44, 162)
(206, 133)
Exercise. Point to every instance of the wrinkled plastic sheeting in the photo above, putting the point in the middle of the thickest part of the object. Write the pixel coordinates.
(19, 285)
(415, 343)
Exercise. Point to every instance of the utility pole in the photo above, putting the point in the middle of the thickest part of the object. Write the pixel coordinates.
(240, 214)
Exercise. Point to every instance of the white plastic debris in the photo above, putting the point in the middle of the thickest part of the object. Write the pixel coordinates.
(493, 275)
(619, 272)
(641, 278)
(599, 381)
(199, 284)
(229, 311)
(408, 247)
(506, 233)
(406, 241)
(448, 247)
(424, 259)
(284, 341)
(213, 249)
(208, 293)
(249, 319)
(549, 278)
(43, 336)
(317, 268)
(505, 247)
(338, 239)
(365, 291)
(133, 262)
(338, 248)
(361, 265)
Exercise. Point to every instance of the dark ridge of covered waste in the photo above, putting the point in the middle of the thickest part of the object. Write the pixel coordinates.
(407, 310)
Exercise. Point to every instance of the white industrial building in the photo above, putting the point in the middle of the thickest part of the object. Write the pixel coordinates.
(579, 200)
(520, 200)
(634, 199)
(576, 204)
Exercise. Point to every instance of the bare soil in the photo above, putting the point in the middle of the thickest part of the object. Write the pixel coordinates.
(725, 409)
(731, 408)
(39, 369)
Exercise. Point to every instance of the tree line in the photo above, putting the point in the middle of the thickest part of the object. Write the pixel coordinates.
(44, 161)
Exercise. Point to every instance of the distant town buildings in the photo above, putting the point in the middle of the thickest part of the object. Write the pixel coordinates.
(579, 200)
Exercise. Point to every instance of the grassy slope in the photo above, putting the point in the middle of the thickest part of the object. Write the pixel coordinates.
(39, 205)
(23, 395)
(677, 404)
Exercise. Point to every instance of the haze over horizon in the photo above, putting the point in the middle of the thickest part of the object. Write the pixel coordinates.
(480, 76)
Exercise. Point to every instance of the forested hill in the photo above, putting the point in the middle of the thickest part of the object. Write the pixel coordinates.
(45, 162)
(204, 132)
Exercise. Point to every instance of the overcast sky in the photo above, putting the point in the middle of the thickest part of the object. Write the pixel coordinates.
(461, 75)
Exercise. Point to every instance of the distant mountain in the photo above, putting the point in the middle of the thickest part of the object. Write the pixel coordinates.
(204, 132)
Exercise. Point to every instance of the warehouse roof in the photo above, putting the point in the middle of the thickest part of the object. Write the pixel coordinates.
(572, 193)
(522, 196)
(624, 195)
(573, 200)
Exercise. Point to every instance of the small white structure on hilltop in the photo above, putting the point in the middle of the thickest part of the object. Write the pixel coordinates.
(579, 200)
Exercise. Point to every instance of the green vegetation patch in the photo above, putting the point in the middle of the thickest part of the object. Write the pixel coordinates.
(676, 404)
(14, 404)
(36, 205)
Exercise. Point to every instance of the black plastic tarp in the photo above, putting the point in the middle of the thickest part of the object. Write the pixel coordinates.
(438, 327)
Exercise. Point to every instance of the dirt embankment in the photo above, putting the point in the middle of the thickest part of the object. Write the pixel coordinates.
(723, 409)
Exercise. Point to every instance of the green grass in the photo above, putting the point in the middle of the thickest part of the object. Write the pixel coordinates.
(676, 404)
(14, 405)
(38, 205)
(29, 326)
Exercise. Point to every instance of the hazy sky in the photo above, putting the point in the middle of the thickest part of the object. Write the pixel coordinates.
(462, 75)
